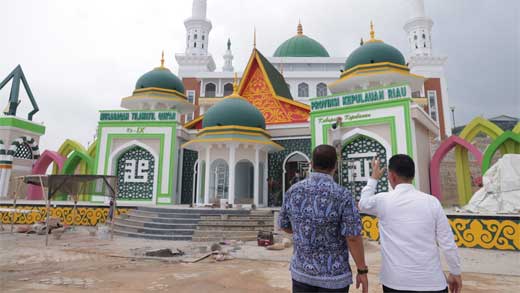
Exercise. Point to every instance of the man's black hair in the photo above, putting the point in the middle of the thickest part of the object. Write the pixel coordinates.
(402, 165)
(324, 157)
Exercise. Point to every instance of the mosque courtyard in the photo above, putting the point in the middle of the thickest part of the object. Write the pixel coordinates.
(79, 262)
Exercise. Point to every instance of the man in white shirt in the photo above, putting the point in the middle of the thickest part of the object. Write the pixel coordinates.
(412, 225)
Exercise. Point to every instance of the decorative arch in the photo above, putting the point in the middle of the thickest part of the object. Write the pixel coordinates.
(496, 144)
(19, 142)
(284, 183)
(66, 148)
(472, 129)
(92, 149)
(440, 153)
(40, 167)
(350, 137)
(121, 151)
(354, 133)
(75, 159)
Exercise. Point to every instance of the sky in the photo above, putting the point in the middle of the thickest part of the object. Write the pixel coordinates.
(84, 56)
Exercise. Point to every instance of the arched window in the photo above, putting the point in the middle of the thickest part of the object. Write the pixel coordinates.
(414, 37)
(203, 37)
(321, 89)
(195, 36)
(228, 89)
(423, 36)
(195, 45)
(211, 90)
(202, 45)
(24, 152)
(303, 90)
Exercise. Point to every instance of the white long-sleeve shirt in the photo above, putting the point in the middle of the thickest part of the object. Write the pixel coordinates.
(412, 225)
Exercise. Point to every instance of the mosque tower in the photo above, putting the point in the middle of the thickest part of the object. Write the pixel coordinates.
(196, 57)
(228, 58)
(423, 62)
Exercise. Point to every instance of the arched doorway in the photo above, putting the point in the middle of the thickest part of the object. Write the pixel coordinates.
(295, 168)
(356, 155)
(219, 181)
(135, 170)
(244, 182)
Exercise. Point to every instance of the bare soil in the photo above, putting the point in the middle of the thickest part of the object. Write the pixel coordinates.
(80, 263)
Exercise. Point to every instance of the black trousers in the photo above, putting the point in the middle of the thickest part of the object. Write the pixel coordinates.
(386, 289)
(298, 287)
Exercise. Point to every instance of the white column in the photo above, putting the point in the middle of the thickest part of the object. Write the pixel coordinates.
(207, 176)
(5, 182)
(231, 162)
(257, 175)
(197, 187)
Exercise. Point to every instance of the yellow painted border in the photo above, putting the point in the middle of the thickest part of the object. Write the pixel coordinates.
(156, 89)
(233, 140)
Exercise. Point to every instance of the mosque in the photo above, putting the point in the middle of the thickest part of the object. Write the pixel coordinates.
(205, 136)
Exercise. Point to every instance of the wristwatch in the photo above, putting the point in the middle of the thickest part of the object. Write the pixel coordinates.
(362, 271)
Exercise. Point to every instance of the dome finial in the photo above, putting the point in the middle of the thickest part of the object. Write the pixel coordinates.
(372, 33)
(162, 59)
(254, 38)
(229, 44)
(299, 30)
(361, 42)
(235, 84)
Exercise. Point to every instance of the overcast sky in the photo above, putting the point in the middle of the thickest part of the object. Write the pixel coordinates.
(84, 56)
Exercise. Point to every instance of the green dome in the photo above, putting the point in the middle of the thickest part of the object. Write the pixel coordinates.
(301, 46)
(233, 110)
(160, 77)
(374, 52)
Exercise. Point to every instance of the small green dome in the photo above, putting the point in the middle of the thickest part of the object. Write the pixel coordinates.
(374, 52)
(301, 46)
(233, 110)
(160, 77)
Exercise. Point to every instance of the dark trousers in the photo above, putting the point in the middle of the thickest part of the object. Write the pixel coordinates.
(386, 289)
(298, 287)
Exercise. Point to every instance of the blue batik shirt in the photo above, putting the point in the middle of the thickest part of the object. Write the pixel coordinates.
(321, 213)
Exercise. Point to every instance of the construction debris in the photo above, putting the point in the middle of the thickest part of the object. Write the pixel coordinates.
(164, 253)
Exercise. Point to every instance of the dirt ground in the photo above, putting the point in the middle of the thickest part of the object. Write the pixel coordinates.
(80, 263)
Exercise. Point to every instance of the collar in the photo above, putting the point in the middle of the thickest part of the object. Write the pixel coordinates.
(404, 187)
(321, 176)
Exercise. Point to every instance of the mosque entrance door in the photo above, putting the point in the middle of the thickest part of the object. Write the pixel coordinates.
(355, 166)
(219, 181)
(296, 168)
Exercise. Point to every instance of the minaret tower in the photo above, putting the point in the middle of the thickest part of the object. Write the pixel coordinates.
(228, 58)
(196, 57)
(419, 30)
(423, 62)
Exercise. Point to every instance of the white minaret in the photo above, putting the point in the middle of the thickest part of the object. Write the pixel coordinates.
(419, 30)
(196, 57)
(423, 62)
(228, 58)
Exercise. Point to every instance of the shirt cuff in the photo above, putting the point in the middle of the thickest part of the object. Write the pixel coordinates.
(372, 182)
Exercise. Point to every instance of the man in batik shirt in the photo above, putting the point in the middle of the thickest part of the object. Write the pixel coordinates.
(325, 224)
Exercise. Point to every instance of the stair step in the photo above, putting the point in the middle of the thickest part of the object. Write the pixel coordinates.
(237, 223)
(157, 231)
(163, 215)
(239, 218)
(137, 223)
(159, 219)
(199, 211)
(234, 228)
(152, 236)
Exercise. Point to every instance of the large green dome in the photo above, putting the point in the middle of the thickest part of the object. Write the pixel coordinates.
(233, 110)
(374, 52)
(301, 46)
(160, 77)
